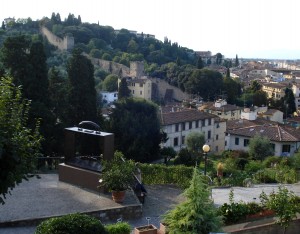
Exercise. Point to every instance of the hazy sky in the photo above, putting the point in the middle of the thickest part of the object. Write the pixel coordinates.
(248, 28)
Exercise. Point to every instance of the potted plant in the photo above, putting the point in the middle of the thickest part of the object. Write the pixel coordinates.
(117, 175)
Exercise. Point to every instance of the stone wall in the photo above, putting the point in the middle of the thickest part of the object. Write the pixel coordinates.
(67, 43)
(162, 86)
(112, 214)
(111, 67)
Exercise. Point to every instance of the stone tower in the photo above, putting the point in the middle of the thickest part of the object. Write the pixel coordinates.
(137, 69)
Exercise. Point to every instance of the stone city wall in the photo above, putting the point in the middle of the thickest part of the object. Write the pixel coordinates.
(67, 43)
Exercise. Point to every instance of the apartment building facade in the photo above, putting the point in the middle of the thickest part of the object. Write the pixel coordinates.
(178, 124)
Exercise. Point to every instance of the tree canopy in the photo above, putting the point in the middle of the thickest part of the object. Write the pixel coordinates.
(110, 83)
(82, 96)
(19, 145)
(260, 147)
(205, 82)
(195, 215)
(137, 129)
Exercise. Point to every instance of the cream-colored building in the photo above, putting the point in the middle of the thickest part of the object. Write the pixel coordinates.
(140, 88)
(222, 109)
(274, 90)
(178, 123)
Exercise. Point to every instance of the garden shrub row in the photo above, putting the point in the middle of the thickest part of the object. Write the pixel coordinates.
(80, 223)
(162, 174)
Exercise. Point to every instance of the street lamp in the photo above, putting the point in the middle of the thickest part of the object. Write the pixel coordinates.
(205, 149)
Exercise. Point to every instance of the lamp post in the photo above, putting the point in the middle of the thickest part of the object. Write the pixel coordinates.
(205, 149)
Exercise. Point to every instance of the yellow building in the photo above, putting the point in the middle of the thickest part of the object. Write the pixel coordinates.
(274, 90)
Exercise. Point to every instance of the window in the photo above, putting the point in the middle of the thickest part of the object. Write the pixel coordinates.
(246, 142)
(132, 91)
(183, 126)
(141, 85)
(190, 125)
(209, 122)
(115, 95)
(217, 137)
(176, 141)
(197, 124)
(182, 140)
(286, 148)
(203, 122)
(141, 92)
(209, 134)
(218, 125)
(225, 143)
(273, 146)
(217, 149)
(237, 141)
(176, 127)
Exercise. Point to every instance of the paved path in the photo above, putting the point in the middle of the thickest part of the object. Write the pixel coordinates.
(47, 197)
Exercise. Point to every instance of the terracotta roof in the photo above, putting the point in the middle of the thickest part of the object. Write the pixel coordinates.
(275, 85)
(270, 112)
(140, 81)
(227, 107)
(184, 116)
(273, 132)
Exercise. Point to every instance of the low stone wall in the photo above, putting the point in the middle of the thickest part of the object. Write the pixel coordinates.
(265, 226)
(111, 214)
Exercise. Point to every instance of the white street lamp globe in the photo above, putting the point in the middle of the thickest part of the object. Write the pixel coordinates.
(206, 148)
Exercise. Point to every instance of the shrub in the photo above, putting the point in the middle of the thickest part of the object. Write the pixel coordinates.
(266, 175)
(118, 228)
(253, 166)
(272, 161)
(285, 204)
(296, 161)
(185, 157)
(70, 224)
(232, 212)
(162, 174)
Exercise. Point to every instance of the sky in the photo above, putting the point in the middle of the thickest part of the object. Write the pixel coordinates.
(267, 29)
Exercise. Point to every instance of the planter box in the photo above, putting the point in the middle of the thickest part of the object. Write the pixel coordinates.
(163, 228)
(262, 214)
(149, 229)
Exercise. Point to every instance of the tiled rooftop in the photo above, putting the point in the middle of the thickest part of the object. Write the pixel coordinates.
(275, 132)
(185, 115)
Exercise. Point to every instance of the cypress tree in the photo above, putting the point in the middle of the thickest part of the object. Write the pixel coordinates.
(124, 91)
(197, 215)
(82, 97)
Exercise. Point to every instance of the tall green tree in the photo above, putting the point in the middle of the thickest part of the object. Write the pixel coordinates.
(260, 147)
(232, 89)
(237, 63)
(196, 215)
(228, 73)
(110, 83)
(14, 56)
(200, 63)
(26, 62)
(58, 93)
(289, 102)
(19, 145)
(194, 142)
(82, 95)
(35, 87)
(219, 58)
(3, 25)
(137, 129)
(207, 83)
(124, 91)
